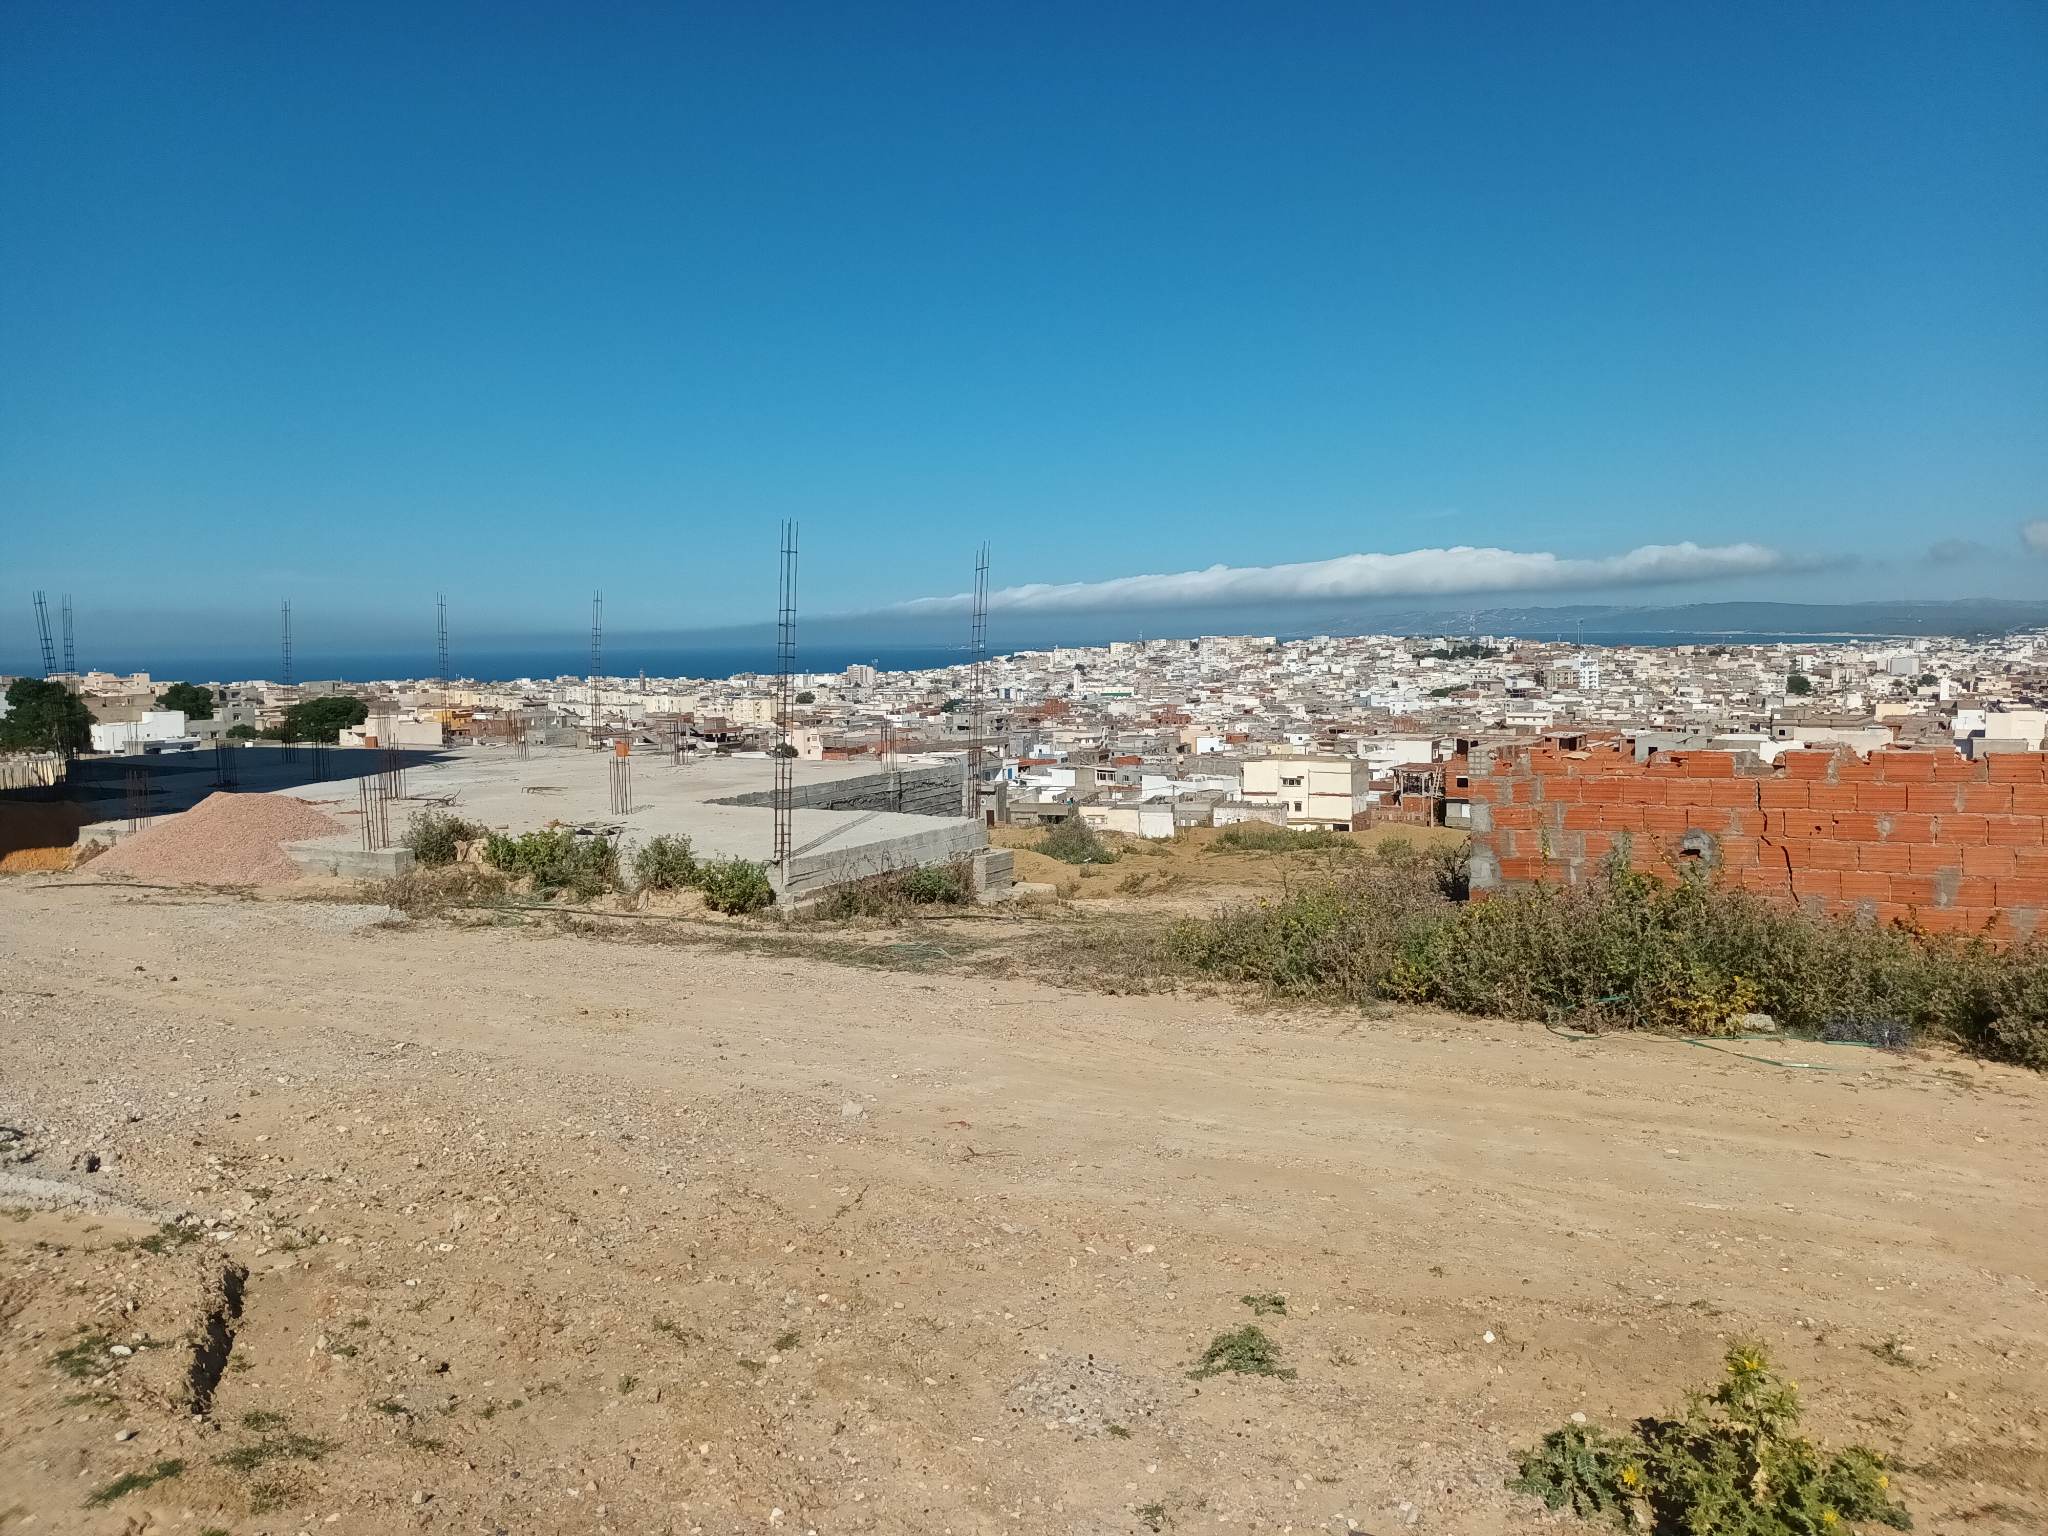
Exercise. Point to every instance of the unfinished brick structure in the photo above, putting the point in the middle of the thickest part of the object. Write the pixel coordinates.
(1946, 843)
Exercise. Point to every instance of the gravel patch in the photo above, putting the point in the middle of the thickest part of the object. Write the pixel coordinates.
(225, 839)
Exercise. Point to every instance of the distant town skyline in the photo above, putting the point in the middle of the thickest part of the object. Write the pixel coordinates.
(1393, 303)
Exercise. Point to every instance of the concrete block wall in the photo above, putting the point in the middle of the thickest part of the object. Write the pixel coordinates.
(914, 791)
(1945, 843)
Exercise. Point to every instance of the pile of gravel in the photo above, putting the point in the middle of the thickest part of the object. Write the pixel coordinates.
(223, 840)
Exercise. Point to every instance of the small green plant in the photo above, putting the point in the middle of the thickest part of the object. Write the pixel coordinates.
(168, 1236)
(1733, 1461)
(1266, 1304)
(1117, 1431)
(261, 1419)
(787, 1340)
(1153, 1516)
(1073, 841)
(627, 1384)
(134, 1482)
(665, 864)
(84, 1357)
(435, 836)
(285, 1446)
(1245, 1352)
(735, 886)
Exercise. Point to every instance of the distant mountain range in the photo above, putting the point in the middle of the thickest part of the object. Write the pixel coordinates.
(1966, 618)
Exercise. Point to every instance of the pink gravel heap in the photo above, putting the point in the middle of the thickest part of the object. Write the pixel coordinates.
(225, 839)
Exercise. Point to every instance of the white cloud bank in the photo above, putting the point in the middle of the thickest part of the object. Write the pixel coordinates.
(1460, 571)
(2035, 535)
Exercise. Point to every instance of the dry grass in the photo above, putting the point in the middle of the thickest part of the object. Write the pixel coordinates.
(1192, 863)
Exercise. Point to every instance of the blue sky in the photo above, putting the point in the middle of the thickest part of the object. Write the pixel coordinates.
(354, 302)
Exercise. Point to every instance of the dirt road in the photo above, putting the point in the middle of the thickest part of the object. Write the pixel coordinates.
(546, 1233)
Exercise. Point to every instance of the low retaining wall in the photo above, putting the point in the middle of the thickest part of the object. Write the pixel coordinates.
(351, 863)
(1950, 844)
(812, 874)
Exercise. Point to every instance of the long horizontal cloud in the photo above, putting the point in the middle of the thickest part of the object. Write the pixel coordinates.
(1460, 571)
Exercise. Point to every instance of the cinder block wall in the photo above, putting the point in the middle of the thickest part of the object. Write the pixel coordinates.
(1949, 844)
(915, 791)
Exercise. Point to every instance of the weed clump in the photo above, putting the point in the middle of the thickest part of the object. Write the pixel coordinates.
(436, 837)
(665, 864)
(1266, 1304)
(556, 859)
(735, 886)
(1733, 1461)
(1245, 1351)
(1073, 841)
(898, 893)
(422, 892)
(134, 1482)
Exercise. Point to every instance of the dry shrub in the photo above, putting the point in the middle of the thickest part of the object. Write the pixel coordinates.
(1623, 949)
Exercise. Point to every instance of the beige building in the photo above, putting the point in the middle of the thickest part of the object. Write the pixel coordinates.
(1312, 791)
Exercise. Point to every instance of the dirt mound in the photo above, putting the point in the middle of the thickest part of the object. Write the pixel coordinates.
(225, 839)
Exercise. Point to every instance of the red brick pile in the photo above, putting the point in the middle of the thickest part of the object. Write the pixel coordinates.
(1946, 843)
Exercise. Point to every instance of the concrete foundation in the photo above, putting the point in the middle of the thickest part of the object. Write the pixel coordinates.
(324, 858)
(723, 805)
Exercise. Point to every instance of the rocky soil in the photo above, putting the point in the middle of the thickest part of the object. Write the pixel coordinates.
(400, 1226)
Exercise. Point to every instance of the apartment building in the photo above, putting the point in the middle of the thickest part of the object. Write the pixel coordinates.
(1313, 791)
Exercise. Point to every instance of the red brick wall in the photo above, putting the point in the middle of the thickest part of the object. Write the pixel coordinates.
(1930, 838)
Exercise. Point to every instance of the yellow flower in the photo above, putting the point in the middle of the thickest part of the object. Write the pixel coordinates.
(1746, 1364)
(1631, 1476)
(1829, 1519)
(1883, 1482)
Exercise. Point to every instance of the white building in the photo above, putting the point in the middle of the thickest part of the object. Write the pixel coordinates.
(1316, 791)
(157, 728)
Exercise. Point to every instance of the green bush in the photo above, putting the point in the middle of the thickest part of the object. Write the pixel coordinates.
(1073, 841)
(1623, 949)
(665, 864)
(1732, 1462)
(433, 836)
(556, 860)
(735, 886)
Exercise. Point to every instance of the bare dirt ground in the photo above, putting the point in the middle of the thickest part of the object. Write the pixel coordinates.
(490, 1229)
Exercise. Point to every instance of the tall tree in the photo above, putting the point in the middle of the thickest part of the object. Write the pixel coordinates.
(43, 716)
(193, 698)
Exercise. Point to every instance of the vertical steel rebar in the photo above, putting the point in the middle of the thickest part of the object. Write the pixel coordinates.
(785, 668)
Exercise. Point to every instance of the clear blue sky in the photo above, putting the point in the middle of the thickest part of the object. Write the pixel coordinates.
(353, 301)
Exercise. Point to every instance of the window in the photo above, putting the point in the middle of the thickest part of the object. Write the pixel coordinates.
(1293, 783)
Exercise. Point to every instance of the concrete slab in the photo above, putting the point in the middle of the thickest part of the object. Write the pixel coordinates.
(572, 787)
